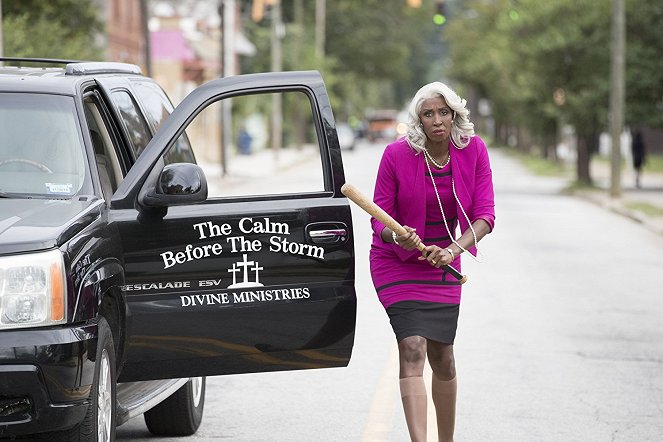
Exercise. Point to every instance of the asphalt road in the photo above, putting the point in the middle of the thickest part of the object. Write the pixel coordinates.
(560, 337)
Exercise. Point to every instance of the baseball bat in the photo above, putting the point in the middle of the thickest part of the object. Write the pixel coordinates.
(376, 212)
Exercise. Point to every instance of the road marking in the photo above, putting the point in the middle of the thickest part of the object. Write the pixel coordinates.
(387, 398)
(381, 413)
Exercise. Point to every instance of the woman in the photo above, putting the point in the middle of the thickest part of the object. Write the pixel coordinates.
(638, 151)
(433, 180)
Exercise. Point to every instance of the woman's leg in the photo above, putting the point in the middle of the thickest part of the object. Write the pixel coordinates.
(441, 359)
(412, 356)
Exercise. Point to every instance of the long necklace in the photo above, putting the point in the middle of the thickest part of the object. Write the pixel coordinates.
(435, 163)
(439, 203)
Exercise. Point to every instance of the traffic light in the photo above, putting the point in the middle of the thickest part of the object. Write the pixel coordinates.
(440, 15)
(258, 8)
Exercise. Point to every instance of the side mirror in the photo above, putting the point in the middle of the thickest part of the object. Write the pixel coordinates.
(177, 184)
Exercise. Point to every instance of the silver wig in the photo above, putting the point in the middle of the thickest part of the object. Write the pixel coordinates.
(462, 129)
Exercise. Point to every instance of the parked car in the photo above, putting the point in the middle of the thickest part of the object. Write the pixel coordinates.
(346, 136)
(382, 125)
(122, 284)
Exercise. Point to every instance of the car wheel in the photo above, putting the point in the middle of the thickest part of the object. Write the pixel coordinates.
(180, 414)
(99, 422)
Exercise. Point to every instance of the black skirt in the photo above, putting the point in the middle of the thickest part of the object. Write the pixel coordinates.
(431, 320)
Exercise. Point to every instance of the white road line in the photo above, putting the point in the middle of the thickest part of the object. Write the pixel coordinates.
(387, 400)
(381, 415)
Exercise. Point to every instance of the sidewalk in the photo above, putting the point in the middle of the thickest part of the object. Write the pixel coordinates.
(644, 205)
(261, 170)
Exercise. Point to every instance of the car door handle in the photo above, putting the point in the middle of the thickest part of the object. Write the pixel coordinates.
(328, 235)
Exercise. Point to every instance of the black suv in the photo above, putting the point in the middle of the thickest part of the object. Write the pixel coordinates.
(125, 278)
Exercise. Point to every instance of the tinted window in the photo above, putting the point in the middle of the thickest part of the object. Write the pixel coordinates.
(157, 107)
(134, 123)
(156, 104)
(105, 155)
(41, 148)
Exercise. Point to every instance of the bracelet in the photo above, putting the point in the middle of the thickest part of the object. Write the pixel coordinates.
(393, 236)
(452, 254)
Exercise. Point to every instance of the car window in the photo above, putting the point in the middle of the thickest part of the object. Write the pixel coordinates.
(41, 148)
(105, 154)
(270, 146)
(135, 125)
(157, 107)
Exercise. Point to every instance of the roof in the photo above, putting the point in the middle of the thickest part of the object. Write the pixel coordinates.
(57, 80)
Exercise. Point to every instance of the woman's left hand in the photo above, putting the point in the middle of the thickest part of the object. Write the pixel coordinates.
(436, 256)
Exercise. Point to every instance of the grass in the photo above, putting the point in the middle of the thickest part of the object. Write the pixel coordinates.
(544, 167)
(646, 208)
(654, 163)
(536, 164)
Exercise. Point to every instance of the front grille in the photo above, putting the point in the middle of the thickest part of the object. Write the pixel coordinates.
(12, 407)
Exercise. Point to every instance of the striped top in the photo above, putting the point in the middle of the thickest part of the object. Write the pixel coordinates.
(412, 279)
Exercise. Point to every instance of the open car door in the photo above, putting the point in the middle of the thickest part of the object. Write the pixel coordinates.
(252, 281)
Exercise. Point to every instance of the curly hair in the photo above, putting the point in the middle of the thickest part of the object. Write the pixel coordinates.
(462, 129)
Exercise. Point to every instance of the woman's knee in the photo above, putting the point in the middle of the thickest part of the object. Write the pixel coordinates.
(412, 349)
(442, 361)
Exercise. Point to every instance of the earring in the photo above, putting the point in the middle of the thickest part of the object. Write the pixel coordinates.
(421, 124)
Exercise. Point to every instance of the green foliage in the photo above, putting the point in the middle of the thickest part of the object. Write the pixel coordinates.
(519, 56)
(519, 53)
(644, 66)
(369, 61)
(55, 29)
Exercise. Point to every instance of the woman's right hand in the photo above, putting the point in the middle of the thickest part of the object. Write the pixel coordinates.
(410, 240)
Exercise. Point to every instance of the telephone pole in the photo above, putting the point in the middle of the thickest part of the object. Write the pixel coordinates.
(144, 12)
(277, 66)
(617, 95)
(320, 29)
(2, 49)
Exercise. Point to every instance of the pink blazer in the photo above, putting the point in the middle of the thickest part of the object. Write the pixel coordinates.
(400, 183)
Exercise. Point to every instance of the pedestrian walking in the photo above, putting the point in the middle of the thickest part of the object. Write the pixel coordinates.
(432, 181)
(244, 142)
(639, 155)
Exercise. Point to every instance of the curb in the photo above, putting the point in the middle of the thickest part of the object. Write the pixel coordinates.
(617, 207)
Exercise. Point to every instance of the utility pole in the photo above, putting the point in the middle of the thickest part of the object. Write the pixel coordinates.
(222, 69)
(617, 95)
(320, 19)
(144, 12)
(2, 49)
(277, 66)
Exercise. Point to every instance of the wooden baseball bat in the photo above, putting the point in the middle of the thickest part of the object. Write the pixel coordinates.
(376, 212)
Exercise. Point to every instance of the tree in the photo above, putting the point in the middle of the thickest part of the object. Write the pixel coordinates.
(55, 29)
(518, 54)
(538, 48)
(644, 66)
(369, 61)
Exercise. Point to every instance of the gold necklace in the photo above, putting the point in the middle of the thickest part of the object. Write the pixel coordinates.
(432, 160)
(444, 216)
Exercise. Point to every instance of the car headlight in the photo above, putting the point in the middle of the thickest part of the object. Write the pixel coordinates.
(32, 290)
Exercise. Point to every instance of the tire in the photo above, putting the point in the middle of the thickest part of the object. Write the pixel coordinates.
(181, 413)
(99, 422)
